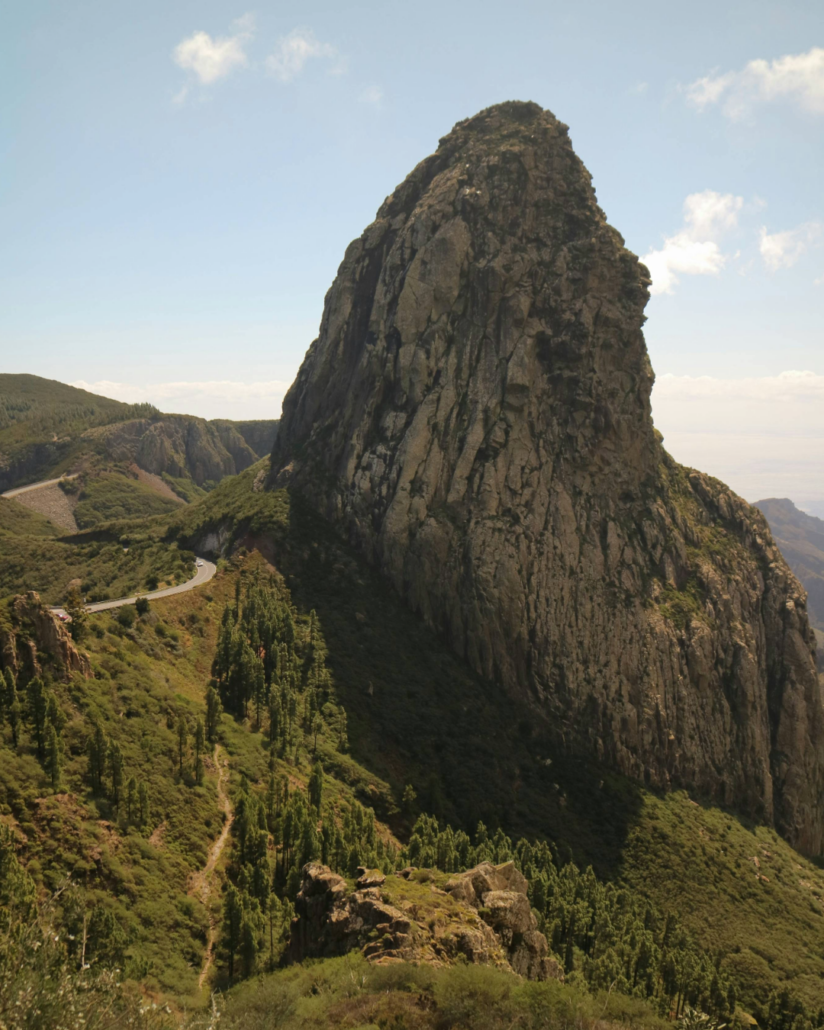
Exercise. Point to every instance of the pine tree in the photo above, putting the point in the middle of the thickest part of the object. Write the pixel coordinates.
(232, 918)
(200, 743)
(409, 798)
(8, 689)
(37, 697)
(182, 739)
(53, 760)
(143, 804)
(14, 707)
(213, 710)
(131, 797)
(249, 930)
(97, 749)
(115, 757)
(54, 715)
(76, 611)
(316, 786)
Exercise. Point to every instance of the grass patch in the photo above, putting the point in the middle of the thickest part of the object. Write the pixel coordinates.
(349, 992)
(110, 497)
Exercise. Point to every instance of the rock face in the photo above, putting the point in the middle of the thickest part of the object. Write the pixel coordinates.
(801, 539)
(475, 417)
(500, 893)
(179, 445)
(393, 920)
(35, 629)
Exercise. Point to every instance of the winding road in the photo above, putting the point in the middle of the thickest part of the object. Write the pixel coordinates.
(205, 569)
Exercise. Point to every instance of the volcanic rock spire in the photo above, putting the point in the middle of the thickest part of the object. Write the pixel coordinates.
(475, 417)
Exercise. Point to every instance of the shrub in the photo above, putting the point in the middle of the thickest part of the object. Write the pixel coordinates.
(126, 616)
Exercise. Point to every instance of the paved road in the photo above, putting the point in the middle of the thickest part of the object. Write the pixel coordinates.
(35, 486)
(203, 575)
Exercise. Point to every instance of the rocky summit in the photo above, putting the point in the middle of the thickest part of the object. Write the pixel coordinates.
(475, 417)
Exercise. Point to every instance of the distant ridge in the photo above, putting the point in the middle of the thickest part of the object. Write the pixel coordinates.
(801, 539)
(48, 427)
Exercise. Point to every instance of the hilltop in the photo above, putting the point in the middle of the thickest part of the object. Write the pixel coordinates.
(121, 465)
(48, 428)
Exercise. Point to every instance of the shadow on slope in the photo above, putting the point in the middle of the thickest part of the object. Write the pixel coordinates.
(417, 713)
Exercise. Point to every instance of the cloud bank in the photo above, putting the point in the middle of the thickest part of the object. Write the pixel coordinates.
(694, 250)
(208, 399)
(795, 77)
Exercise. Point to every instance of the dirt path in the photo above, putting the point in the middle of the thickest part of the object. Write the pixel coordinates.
(201, 886)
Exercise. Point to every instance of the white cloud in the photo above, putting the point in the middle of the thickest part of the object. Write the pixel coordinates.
(797, 77)
(372, 95)
(213, 59)
(209, 399)
(293, 51)
(783, 249)
(639, 89)
(694, 250)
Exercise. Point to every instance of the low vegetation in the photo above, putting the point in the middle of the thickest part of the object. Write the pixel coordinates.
(41, 422)
(113, 561)
(344, 719)
(110, 497)
(349, 992)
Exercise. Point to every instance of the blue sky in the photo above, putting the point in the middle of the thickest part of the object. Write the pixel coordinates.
(179, 180)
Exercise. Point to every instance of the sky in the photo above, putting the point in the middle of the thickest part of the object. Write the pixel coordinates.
(179, 181)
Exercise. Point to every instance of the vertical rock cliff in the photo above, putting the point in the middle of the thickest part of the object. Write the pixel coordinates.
(475, 416)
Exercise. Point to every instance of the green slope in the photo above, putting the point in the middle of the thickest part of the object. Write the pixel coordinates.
(41, 422)
(47, 428)
(417, 715)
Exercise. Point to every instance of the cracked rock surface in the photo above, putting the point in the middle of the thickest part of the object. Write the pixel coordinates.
(475, 417)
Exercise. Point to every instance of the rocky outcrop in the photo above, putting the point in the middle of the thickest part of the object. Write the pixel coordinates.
(259, 434)
(35, 630)
(402, 919)
(475, 417)
(179, 445)
(500, 894)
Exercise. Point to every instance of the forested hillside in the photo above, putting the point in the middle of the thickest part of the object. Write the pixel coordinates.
(353, 737)
(48, 428)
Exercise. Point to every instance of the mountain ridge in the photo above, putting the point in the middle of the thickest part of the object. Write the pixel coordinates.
(48, 427)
